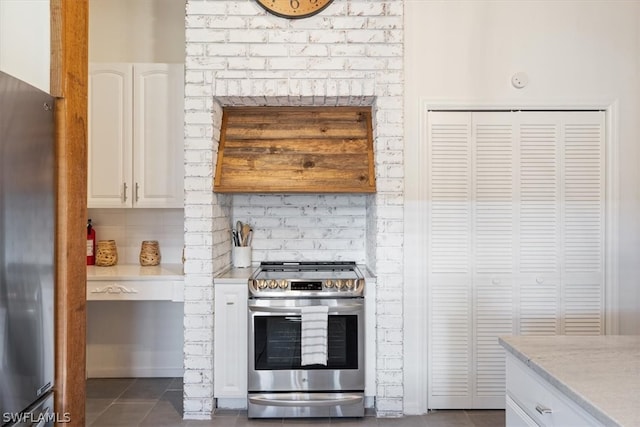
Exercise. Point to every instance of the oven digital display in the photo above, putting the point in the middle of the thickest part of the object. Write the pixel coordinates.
(306, 286)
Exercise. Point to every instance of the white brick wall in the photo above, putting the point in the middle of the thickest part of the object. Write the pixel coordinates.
(237, 54)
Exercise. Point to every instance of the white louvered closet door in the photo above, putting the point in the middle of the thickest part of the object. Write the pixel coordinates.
(583, 224)
(450, 269)
(539, 226)
(494, 240)
(515, 222)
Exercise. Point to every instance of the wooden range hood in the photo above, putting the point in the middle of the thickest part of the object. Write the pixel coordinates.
(295, 150)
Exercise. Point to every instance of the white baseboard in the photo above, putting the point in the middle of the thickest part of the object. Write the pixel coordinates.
(229, 403)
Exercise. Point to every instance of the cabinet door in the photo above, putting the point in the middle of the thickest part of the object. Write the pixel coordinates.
(158, 159)
(583, 225)
(110, 142)
(230, 341)
(450, 256)
(494, 256)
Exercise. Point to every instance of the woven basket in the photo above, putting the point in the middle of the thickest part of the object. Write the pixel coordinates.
(149, 253)
(106, 253)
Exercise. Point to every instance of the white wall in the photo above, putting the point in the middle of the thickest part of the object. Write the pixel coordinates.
(129, 227)
(576, 53)
(134, 339)
(25, 41)
(136, 30)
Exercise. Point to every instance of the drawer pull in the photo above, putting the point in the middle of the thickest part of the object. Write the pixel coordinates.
(117, 289)
(543, 410)
(230, 303)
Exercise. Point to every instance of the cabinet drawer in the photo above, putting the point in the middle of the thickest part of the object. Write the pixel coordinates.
(515, 416)
(129, 290)
(545, 404)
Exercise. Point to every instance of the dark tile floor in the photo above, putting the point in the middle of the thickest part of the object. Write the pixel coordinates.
(134, 402)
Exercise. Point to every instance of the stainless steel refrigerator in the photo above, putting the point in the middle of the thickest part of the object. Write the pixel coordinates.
(27, 220)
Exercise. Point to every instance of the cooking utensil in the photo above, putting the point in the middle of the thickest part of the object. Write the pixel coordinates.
(239, 232)
(246, 228)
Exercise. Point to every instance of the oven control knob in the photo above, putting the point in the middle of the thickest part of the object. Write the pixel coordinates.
(261, 283)
(283, 284)
(350, 283)
(339, 284)
(328, 284)
(273, 284)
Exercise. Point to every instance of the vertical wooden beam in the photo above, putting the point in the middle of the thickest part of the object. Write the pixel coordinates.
(69, 80)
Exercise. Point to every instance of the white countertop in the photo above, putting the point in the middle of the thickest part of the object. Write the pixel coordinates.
(599, 373)
(136, 272)
(234, 275)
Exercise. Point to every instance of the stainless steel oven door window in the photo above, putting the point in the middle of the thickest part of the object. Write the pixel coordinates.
(274, 346)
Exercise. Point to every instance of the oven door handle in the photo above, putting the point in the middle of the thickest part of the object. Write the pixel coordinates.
(351, 308)
(318, 399)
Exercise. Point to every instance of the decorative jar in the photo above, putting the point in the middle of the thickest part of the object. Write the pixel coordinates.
(149, 253)
(106, 253)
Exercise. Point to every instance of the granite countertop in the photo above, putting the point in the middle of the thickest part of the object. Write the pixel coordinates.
(136, 272)
(599, 373)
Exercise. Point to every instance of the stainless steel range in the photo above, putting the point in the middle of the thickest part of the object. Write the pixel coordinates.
(306, 340)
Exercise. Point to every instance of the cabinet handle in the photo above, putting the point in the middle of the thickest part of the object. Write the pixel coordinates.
(230, 303)
(543, 410)
(124, 192)
(137, 189)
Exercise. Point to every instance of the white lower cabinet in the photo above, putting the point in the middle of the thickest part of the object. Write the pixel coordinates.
(230, 344)
(533, 401)
(515, 415)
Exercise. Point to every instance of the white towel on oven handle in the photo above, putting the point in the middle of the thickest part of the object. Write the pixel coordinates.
(313, 342)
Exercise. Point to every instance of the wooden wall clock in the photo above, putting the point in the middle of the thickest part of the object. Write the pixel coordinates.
(294, 8)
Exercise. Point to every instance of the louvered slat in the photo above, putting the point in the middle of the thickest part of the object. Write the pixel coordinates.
(493, 195)
(539, 194)
(493, 317)
(583, 308)
(450, 340)
(450, 173)
(539, 308)
(583, 194)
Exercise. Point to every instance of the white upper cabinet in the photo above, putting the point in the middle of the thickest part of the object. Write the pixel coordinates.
(136, 135)
(25, 41)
